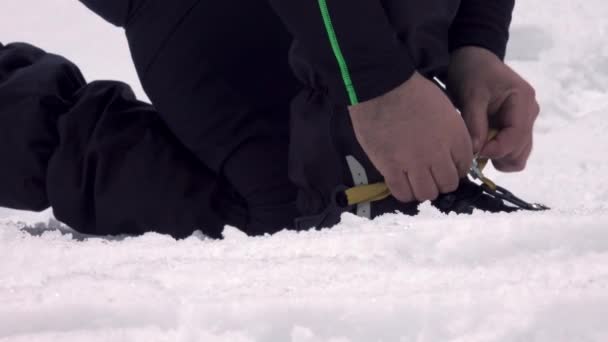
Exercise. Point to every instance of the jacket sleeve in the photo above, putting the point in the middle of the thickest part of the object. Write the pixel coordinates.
(483, 23)
(350, 44)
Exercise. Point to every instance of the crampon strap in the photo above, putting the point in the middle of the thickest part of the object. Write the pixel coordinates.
(486, 195)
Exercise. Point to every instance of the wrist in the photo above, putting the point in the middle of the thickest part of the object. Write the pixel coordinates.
(476, 53)
(392, 93)
(471, 62)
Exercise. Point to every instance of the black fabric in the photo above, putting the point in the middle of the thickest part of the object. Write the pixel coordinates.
(322, 135)
(218, 73)
(322, 138)
(482, 23)
(469, 197)
(376, 58)
(104, 161)
(213, 150)
(115, 12)
(384, 41)
(35, 88)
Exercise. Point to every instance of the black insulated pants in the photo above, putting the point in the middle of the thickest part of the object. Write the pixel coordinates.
(104, 161)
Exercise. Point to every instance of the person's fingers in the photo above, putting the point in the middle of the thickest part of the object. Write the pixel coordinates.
(507, 141)
(400, 188)
(446, 176)
(534, 110)
(462, 156)
(527, 150)
(515, 121)
(423, 184)
(463, 166)
(475, 115)
(515, 162)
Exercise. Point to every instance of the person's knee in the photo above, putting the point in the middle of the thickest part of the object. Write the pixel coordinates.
(116, 12)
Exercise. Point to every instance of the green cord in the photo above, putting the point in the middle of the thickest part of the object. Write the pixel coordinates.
(335, 45)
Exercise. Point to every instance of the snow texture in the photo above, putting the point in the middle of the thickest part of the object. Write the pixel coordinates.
(517, 277)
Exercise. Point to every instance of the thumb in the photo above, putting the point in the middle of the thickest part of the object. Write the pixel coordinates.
(475, 115)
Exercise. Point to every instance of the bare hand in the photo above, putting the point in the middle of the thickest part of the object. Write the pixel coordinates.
(490, 94)
(415, 138)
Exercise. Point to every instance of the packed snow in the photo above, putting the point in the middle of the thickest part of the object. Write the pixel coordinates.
(504, 277)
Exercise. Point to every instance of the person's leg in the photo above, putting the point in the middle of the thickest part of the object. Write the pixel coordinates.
(104, 161)
(218, 73)
(326, 159)
(329, 157)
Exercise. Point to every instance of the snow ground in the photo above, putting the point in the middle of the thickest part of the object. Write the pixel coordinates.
(518, 277)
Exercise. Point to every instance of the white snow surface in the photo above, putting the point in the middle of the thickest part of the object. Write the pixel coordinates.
(503, 277)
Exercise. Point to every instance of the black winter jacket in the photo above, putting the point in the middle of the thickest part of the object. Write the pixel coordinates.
(364, 48)
(218, 71)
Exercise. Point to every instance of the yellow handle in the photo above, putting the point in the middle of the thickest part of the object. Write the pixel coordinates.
(482, 162)
(379, 191)
(367, 193)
